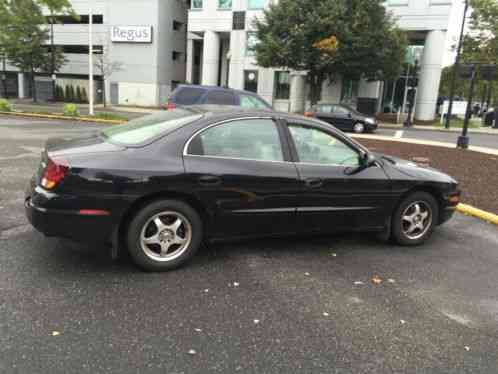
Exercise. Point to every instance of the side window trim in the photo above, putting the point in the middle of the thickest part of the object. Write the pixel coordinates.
(281, 134)
(293, 149)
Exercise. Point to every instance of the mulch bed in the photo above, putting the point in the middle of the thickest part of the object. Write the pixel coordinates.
(476, 172)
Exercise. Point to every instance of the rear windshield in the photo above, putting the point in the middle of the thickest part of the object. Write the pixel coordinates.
(146, 128)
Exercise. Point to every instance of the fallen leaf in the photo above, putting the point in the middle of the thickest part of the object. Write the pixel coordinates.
(325, 314)
(198, 330)
(307, 274)
(206, 290)
(192, 352)
(376, 280)
(402, 321)
(390, 280)
(55, 333)
(236, 284)
(334, 254)
(256, 321)
(467, 348)
(358, 283)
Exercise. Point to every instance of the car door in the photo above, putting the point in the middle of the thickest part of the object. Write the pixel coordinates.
(325, 113)
(332, 198)
(343, 118)
(240, 171)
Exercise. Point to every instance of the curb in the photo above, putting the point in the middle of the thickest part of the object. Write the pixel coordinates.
(456, 130)
(478, 213)
(489, 151)
(55, 116)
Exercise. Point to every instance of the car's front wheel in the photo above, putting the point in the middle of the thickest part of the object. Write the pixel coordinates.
(359, 128)
(415, 219)
(164, 235)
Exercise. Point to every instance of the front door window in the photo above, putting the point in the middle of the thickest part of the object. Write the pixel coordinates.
(315, 146)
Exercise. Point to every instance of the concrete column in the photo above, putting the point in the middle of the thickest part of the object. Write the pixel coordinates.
(237, 58)
(20, 84)
(297, 92)
(211, 60)
(189, 73)
(430, 75)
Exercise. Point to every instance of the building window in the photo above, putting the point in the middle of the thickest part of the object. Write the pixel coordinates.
(175, 55)
(349, 90)
(282, 85)
(98, 19)
(78, 49)
(174, 84)
(196, 4)
(256, 4)
(251, 80)
(177, 26)
(251, 42)
(224, 4)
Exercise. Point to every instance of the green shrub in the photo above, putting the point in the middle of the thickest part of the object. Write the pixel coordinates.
(59, 93)
(71, 110)
(111, 116)
(78, 95)
(5, 106)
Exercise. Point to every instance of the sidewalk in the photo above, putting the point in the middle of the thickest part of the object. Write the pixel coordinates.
(58, 107)
(484, 130)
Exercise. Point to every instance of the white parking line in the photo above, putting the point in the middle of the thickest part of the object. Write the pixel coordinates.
(399, 134)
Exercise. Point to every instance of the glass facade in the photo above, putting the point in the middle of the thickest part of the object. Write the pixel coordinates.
(224, 4)
(282, 85)
(256, 4)
(196, 4)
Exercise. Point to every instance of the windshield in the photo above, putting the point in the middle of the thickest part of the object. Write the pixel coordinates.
(147, 128)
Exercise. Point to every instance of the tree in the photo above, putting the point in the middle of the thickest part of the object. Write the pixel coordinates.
(24, 38)
(330, 38)
(106, 67)
(56, 7)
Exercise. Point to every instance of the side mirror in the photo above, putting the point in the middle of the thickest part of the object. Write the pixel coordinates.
(350, 115)
(366, 160)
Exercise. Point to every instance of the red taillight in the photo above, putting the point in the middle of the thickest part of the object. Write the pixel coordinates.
(171, 105)
(55, 172)
(308, 114)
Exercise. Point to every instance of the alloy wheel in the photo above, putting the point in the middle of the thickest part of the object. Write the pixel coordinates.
(416, 220)
(166, 236)
(358, 128)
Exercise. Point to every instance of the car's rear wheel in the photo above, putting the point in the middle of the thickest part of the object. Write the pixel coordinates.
(164, 235)
(415, 219)
(359, 128)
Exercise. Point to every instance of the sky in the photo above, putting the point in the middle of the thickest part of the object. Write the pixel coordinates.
(454, 31)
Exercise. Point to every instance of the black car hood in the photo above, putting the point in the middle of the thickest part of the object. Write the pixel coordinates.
(415, 170)
(90, 143)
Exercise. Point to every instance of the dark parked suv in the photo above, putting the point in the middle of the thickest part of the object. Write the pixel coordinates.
(185, 95)
(343, 117)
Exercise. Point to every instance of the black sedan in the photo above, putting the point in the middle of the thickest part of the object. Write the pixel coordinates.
(162, 184)
(343, 117)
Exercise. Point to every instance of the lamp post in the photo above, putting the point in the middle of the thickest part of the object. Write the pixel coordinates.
(463, 140)
(456, 66)
(52, 50)
(411, 100)
(4, 76)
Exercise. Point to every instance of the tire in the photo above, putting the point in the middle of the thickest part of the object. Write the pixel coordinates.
(164, 235)
(359, 128)
(412, 226)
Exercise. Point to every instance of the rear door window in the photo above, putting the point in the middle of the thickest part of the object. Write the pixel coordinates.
(252, 139)
(188, 95)
(220, 98)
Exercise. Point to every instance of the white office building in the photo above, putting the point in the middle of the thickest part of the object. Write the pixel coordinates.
(220, 35)
(145, 39)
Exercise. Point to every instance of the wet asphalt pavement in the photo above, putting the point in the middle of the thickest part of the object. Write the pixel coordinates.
(274, 306)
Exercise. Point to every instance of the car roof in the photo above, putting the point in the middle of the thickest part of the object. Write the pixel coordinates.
(216, 88)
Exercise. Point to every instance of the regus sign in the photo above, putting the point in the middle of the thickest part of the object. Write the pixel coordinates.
(131, 34)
